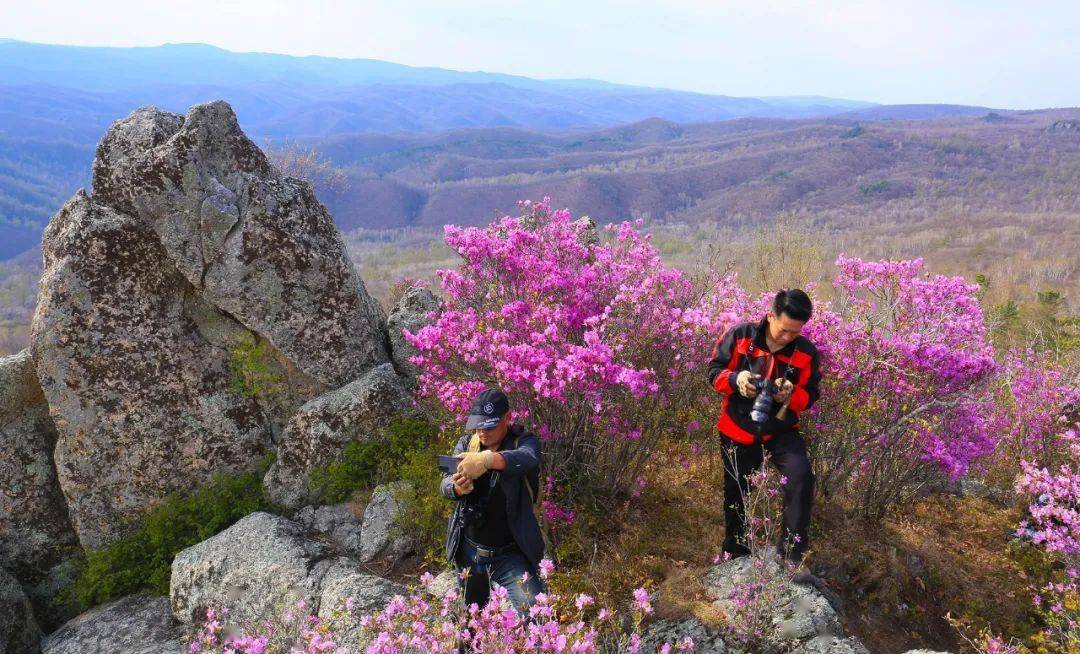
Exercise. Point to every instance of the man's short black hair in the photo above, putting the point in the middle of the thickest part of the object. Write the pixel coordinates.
(795, 303)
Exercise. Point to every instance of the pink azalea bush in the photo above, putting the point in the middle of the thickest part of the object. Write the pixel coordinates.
(1037, 398)
(423, 624)
(1054, 525)
(909, 380)
(1055, 507)
(597, 342)
(751, 603)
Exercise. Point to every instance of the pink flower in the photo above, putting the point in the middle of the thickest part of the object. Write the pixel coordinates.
(546, 568)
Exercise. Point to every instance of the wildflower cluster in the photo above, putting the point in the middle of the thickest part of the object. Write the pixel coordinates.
(422, 623)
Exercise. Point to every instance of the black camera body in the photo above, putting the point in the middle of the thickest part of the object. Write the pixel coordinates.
(763, 402)
(474, 512)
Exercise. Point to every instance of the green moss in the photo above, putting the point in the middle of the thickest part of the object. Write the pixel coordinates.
(142, 560)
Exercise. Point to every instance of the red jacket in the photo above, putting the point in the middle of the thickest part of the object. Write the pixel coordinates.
(743, 348)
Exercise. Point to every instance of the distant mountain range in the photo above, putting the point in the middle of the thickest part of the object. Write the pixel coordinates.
(733, 172)
(57, 101)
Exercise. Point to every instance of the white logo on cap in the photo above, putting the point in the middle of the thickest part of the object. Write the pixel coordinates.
(489, 408)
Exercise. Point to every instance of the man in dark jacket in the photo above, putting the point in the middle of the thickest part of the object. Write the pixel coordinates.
(745, 356)
(493, 531)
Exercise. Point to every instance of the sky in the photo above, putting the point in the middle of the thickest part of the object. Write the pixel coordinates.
(1002, 54)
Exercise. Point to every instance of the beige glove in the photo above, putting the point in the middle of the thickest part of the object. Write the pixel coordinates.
(783, 393)
(746, 389)
(474, 464)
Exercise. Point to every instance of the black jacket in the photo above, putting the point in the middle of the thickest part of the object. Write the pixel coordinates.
(519, 483)
(743, 348)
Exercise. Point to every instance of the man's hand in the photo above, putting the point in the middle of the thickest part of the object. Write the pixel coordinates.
(746, 389)
(783, 393)
(474, 464)
(462, 484)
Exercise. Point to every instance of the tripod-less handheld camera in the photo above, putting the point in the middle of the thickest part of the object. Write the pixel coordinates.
(763, 402)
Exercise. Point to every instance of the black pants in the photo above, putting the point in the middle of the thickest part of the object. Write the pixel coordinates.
(787, 452)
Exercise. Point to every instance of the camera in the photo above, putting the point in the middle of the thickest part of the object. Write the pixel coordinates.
(474, 512)
(763, 403)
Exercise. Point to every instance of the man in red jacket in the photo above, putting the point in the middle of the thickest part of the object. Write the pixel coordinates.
(744, 358)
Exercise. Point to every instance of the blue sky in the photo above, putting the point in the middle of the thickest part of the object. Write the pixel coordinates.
(1001, 54)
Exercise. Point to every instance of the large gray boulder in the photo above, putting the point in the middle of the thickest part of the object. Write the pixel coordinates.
(346, 580)
(317, 433)
(262, 566)
(257, 245)
(137, 624)
(410, 313)
(256, 567)
(34, 528)
(19, 634)
(140, 398)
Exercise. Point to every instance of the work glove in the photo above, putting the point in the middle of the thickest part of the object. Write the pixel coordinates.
(746, 388)
(474, 464)
(783, 392)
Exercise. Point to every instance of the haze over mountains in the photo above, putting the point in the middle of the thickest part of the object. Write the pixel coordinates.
(57, 101)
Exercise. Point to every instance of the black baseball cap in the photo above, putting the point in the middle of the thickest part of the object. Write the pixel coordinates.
(487, 410)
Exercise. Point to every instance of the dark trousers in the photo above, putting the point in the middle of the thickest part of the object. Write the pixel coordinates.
(506, 569)
(787, 451)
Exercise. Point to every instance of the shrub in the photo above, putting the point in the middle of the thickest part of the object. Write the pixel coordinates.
(602, 348)
(424, 512)
(908, 383)
(598, 344)
(142, 559)
(876, 188)
(1053, 529)
(406, 451)
(367, 463)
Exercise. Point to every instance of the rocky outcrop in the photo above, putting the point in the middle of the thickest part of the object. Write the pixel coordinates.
(256, 245)
(34, 528)
(140, 399)
(317, 433)
(335, 522)
(264, 564)
(137, 624)
(19, 634)
(186, 311)
(411, 312)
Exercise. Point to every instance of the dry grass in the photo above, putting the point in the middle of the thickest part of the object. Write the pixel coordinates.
(944, 554)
